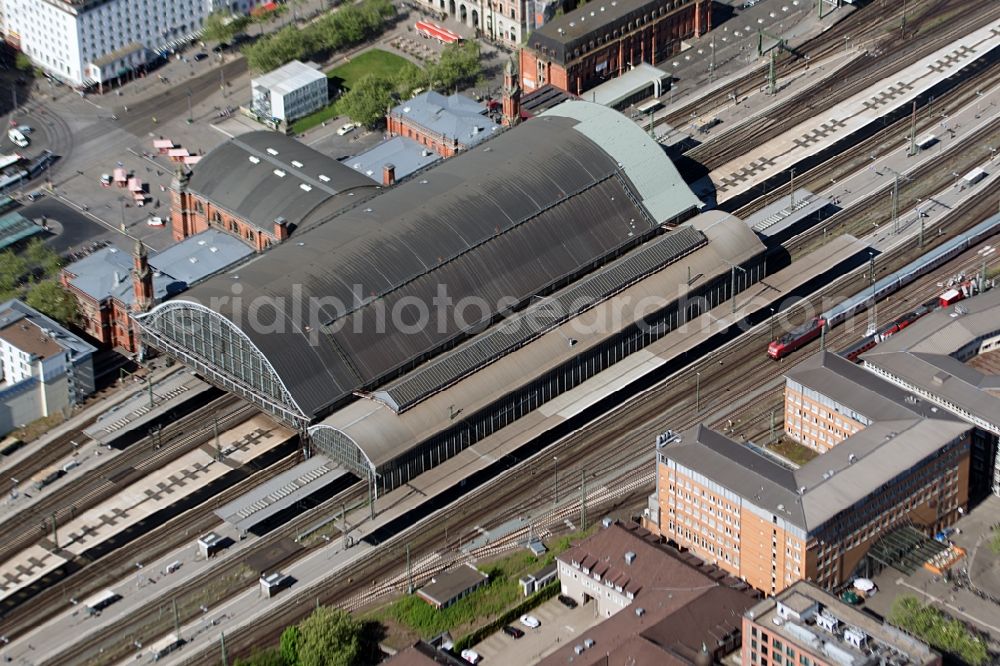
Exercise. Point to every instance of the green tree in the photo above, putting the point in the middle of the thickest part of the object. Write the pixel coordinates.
(409, 78)
(368, 100)
(12, 268)
(458, 66)
(49, 297)
(290, 638)
(223, 26)
(329, 637)
(944, 633)
(40, 256)
(23, 62)
(268, 657)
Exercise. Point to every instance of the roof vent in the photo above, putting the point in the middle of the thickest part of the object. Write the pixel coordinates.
(296, 164)
(272, 151)
(592, 13)
(325, 179)
(254, 159)
(802, 490)
(572, 24)
(305, 188)
(629, 557)
(781, 507)
(639, 612)
(279, 173)
(423, 182)
(852, 458)
(193, 260)
(368, 210)
(406, 109)
(213, 249)
(602, 9)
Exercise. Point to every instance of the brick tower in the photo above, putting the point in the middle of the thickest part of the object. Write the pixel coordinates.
(142, 279)
(511, 96)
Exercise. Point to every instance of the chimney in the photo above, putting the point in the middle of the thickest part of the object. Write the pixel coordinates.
(388, 175)
(281, 229)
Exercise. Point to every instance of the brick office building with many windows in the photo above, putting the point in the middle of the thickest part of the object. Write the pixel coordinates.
(772, 525)
(603, 39)
(806, 626)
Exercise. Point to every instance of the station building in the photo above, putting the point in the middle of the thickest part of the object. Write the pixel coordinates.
(602, 40)
(746, 511)
(110, 286)
(445, 124)
(262, 187)
(402, 330)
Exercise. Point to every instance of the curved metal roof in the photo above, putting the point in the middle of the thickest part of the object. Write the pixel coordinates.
(341, 306)
(261, 176)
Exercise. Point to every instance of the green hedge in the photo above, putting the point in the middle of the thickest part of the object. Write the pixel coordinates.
(535, 600)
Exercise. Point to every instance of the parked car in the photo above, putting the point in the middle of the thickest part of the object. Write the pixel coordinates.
(25, 129)
(34, 196)
(530, 621)
(346, 129)
(513, 632)
(200, 56)
(470, 656)
(155, 222)
(568, 602)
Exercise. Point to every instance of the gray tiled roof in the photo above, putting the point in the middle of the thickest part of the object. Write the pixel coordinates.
(107, 273)
(274, 185)
(455, 117)
(827, 485)
(403, 153)
(921, 356)
(15, 310)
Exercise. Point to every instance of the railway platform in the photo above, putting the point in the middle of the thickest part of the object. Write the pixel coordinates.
(777, 290)
(827, 129)
(142, 496)
(139, 499)
(302, 484)
(147, 407)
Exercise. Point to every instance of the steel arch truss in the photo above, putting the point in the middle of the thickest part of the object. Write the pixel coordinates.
(342, 449)
(216, 348)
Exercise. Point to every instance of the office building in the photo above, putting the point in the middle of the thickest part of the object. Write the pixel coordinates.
(806, 626)
(772, 524)
(93, 42)
(46, 369)
(658, 606)
(290, 92)
(950, 359)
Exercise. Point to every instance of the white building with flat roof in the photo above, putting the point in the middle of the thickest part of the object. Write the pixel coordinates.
(290, 92)
(91, 42)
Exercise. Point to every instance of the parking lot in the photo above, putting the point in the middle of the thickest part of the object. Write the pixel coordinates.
(560, 625)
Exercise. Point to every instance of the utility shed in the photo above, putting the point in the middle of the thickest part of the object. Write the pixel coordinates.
(450, 586)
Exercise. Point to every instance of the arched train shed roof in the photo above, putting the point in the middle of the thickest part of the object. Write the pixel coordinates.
(520, 215)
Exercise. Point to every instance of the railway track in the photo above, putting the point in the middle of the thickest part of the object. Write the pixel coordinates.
(882, 63)
(623, 435)
(886, 140)
(61, 504)
(866, 25)
(93, 575)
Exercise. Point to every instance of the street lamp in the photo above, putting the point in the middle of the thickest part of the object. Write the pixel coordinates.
(190, 118)
(697, 392)
(555, 477)
(771, 333)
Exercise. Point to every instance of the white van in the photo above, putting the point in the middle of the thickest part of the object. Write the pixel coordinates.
(17, 137)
